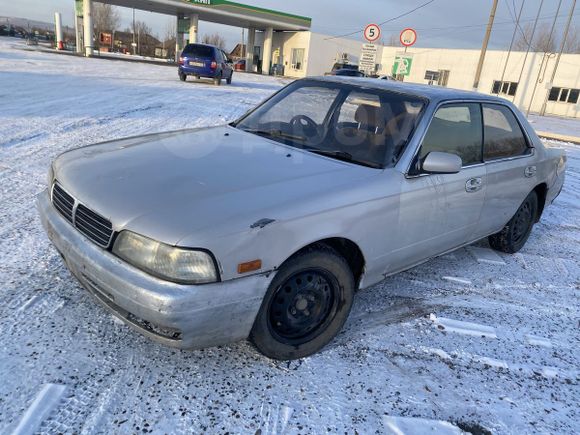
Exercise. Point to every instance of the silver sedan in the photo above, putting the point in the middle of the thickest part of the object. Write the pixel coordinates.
(265, 228)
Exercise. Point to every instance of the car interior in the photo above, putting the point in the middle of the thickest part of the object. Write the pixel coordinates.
(364, 127)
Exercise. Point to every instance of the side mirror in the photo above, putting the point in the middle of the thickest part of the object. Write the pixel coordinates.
(442, 163)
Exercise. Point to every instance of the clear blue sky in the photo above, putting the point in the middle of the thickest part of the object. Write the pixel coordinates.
(437, 24)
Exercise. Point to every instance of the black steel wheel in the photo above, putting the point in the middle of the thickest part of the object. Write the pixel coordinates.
(515, 234)
(306, 305)
(303, 306)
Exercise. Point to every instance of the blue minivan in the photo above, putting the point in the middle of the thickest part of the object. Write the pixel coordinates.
(203, 60)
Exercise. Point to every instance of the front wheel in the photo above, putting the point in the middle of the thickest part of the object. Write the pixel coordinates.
(305, 306)
(514, 235)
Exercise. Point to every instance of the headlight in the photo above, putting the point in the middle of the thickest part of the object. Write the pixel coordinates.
(180, 265)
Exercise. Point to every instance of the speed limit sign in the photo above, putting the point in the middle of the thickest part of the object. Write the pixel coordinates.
(372, 32)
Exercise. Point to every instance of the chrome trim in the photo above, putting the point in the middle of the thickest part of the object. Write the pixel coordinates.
(507, 159)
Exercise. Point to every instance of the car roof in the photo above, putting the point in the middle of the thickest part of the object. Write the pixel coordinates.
(433, 93)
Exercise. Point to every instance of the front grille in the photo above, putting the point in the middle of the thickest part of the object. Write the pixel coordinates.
(94, 226)
(91, 224)
(63, 202)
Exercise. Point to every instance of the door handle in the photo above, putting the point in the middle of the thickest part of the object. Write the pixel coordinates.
(473, 184)
(530, 171)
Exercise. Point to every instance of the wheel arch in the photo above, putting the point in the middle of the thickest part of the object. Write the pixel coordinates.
(346, 248)
(542, 192)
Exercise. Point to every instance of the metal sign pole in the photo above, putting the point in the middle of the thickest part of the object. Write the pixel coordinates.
(564, 38)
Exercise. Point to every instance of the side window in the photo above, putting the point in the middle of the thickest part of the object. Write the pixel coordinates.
(502, 134)
(455, 129)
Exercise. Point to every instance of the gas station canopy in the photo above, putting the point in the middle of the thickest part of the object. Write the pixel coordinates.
(222, 12)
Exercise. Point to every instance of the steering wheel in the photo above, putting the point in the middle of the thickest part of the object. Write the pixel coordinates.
(305, 124)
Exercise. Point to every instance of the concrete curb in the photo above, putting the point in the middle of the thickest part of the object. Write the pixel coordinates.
(560, 137)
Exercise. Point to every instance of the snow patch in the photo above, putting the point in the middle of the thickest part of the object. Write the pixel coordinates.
(457, 280)
(538, 341)
(485, 255)
(435, 351)
(492, 362)
(45, 401)
(466, 328)
(410, 425)
(550, 372)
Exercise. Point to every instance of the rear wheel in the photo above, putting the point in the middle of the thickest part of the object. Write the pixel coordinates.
(514, 235)
(218, 80)
(306, 305)
(229, 80)
(182, 77)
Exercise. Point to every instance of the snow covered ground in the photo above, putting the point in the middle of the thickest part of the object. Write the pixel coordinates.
(472, 340)
(553, 124)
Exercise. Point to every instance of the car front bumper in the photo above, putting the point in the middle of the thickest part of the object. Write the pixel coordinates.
(183, 316)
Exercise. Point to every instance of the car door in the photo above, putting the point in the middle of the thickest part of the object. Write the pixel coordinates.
(439, 212)
(510, 167)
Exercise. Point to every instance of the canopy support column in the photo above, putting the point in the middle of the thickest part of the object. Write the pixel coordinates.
(88, 27)
(267, 57)
(250, 49)
(193, 23)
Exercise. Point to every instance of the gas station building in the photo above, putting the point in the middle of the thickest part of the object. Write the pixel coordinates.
(263, 25)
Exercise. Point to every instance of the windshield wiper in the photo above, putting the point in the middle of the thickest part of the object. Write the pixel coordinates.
(344, 156)
(274, 133)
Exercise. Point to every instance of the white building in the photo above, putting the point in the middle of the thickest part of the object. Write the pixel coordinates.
(308, 54)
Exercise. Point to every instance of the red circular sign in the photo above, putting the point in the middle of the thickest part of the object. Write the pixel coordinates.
(408, 37)
(372, 32)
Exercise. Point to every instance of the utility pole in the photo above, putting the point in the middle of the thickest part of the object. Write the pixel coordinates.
(530, 44)
(562, 45)
(538, 79)
(484, 46)
(512, 42)
(134, 43)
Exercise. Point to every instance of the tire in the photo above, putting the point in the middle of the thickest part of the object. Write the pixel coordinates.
(229, 80)
(218, 80)
(182, 77)
(514, 235)
(305, 306)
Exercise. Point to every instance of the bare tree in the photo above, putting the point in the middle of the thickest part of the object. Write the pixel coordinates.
(542, 41)
(146, 42)
(106, 18)
(393, 40)
(572, 44)
(169, 39)
(214, 39)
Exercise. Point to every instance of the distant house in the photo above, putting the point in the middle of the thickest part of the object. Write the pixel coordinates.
(122, 43)
(239, 52)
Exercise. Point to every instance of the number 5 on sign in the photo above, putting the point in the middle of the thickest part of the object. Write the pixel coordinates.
(372, 32)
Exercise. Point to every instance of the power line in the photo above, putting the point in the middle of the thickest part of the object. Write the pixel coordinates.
(386, 21)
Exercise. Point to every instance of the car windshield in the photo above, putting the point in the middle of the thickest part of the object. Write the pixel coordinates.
(370, 127)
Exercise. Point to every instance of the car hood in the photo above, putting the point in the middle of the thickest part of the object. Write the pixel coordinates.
(211, 181)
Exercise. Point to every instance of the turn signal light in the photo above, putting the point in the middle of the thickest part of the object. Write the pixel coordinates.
(249, 266)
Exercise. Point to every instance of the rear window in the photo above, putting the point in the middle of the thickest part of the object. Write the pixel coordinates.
(198, 50)
(502, 133)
